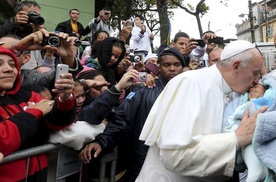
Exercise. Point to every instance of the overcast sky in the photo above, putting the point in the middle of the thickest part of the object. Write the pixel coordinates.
(222, 18)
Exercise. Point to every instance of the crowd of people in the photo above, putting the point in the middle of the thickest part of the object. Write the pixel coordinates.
(166, 111)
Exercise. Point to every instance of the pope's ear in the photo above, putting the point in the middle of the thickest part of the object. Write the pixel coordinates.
(236, 65)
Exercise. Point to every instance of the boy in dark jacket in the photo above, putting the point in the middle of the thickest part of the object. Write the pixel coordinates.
(131, 116)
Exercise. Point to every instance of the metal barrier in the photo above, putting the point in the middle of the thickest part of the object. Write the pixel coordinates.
(63, 161)
(29, 152)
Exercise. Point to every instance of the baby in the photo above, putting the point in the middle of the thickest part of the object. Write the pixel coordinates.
(256, 171)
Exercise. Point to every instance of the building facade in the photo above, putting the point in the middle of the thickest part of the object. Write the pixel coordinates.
(264, 22)
(263, 25)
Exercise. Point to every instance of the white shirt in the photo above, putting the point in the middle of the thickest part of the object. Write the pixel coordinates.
(140, 41)
(86, 52)
(183, 130)
(94, 25)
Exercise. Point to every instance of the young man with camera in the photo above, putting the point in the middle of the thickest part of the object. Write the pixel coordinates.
(102, 22)
(141, 36)
(34, 41)
(190, 47)
(27, 19)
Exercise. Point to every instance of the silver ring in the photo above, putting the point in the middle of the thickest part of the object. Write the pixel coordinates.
(69, 86)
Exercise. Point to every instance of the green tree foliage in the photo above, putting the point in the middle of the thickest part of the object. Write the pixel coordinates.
(157, 14)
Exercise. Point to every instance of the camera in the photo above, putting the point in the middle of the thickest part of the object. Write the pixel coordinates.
(35, 18)
(200, 42)
(142, 77)
(201, 64)
(130, 24)
(135, 57)
(52, 40)
(216, 40)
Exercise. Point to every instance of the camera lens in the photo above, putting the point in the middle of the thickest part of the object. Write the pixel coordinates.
(54, 41)
(39, 20)
(142, 76)
(201, 63)
(35, 18)
(137, 58)
(77, 43)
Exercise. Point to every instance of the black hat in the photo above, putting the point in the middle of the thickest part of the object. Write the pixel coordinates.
(173, 52)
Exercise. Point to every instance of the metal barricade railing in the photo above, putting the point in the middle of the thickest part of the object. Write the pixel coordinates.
(29, 153)
(63, 161)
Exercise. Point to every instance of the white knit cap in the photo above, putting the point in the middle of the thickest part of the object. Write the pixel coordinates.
(150, 56)
(235, 47)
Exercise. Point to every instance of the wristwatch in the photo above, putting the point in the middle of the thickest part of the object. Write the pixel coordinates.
(13, 48)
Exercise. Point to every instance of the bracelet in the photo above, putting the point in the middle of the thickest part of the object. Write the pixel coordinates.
(70, 97)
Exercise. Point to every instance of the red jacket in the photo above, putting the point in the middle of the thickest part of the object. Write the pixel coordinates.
(22, 128)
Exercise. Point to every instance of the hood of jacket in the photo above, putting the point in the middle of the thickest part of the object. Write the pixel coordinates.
(17, 83)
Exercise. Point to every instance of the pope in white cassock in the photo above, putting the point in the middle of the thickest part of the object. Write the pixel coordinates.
(183, 128)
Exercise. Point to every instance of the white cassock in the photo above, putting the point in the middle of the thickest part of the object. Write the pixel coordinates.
(183, 130)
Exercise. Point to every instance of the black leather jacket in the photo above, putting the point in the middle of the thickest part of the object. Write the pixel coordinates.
(47, 79)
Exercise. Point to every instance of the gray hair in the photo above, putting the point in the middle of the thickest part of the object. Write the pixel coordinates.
(19, 6)
(245, 56)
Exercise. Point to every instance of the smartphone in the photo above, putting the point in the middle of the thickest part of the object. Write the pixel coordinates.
(61, 68)
(130, 24)
(151, 67)
(216, 40)
(200, 42)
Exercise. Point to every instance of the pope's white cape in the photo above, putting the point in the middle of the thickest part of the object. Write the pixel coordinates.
(184, 124)
(180, 115)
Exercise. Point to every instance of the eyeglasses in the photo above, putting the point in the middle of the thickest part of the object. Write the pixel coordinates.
(107, 13)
